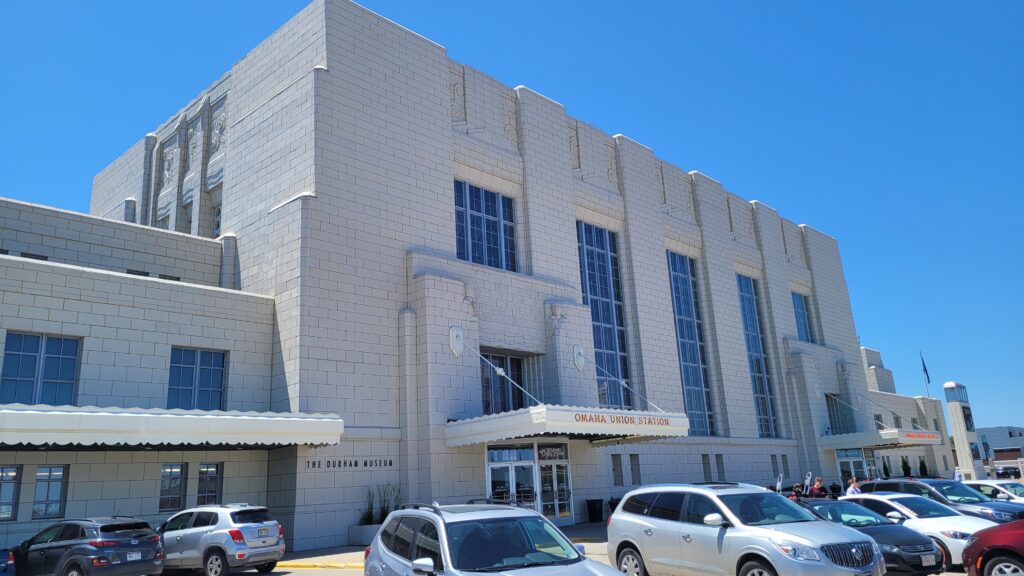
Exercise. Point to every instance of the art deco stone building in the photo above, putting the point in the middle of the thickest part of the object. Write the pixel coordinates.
(498, 299)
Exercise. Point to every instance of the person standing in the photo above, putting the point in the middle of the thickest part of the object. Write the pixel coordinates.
(818, 490)
(854, 487)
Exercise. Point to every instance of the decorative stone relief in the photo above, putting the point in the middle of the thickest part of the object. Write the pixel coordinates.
(578, 358)
(195, 144)
(220, 126)
(609, 159)
(470, 300)
(169, 163)
(457, 85)
(574, 146)
(659, 173)
(457, 340)
(556, 318)
(509, 114)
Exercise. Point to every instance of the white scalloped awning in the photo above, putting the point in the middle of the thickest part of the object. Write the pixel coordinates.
(599, 425)
(39, 425)
(887, 438)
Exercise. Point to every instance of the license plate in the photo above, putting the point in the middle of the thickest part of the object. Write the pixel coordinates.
(264, 532)
(928, 560)
(132, 556)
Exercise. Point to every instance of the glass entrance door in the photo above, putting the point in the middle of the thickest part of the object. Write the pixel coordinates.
(512, 484)
(556, 493)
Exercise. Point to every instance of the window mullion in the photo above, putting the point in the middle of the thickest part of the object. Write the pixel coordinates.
(37, 386)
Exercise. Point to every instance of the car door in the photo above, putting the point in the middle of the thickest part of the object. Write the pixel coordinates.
(190, 539)
(703, 545)
(663, 535)
(60, 548)
(992, 492)
(427, 544)
(35, 552)
(171, 533)
(398, 562)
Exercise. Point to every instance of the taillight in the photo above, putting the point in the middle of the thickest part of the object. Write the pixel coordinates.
(10, 557)
(280, 531)
(155, 539)
(366, 553)
(159, 555)
(102, 543)
(100, 561)
(609, 521)
(236, 536)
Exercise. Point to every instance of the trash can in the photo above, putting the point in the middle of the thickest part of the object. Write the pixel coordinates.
(595, 510)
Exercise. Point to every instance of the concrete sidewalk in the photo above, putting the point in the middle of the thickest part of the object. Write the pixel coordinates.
(591, 536)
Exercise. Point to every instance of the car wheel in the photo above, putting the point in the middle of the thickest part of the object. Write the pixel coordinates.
(1004, 565)
(945, 561)
(214, 564)
(757, 568)
(74, 570)
(265, 568)
(631, 563)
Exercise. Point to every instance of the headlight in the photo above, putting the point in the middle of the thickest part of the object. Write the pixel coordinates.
(955, 535)
(888, 548)
(797, 551)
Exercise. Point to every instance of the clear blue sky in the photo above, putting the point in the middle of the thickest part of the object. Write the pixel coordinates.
(896, 127)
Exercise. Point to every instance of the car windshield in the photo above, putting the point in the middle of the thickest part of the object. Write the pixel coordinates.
(763, 508)
(1015, 488)
(925, 508)
(252, 516)
(500, 544)
(848, 513)
(960, 493)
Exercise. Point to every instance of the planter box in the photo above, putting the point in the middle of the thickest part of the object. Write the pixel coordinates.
(362, 535)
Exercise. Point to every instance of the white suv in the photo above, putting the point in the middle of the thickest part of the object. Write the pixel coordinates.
(731, 529)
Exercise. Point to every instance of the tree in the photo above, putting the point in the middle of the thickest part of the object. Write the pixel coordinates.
(885, 469)
(906, 466)
(922, 468)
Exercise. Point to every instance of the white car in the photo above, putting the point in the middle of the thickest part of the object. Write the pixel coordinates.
(1008, 490)
(947, 527)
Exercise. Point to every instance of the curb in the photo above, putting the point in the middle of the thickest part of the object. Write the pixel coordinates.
(329, 565)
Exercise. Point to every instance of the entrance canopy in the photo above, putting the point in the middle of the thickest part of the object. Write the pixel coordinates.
(599, 425)
(39, 425)
(887, 438)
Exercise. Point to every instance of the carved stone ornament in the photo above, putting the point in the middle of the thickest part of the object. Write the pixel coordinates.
(511, 132)
(220, 125)
(574, 146)
(457, 340)
(578, 358)
(170, 165)
(457, 81)
(195, 144)
(613, 173)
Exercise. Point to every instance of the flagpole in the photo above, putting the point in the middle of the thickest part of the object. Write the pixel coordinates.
(927, 378)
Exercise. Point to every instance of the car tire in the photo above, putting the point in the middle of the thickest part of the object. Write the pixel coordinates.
(757, 568)
(631, 563)
(1004, 565)
(73, 570)
(945, 562)
(215, 564)
(266, 568)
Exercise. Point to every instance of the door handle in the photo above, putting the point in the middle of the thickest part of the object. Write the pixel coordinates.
(177, 537)
(67, 547)
(687, 538)
(648, 531)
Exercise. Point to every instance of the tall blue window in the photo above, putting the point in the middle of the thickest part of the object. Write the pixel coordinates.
(197, 379)
(602, 291)
(802, 307)
(39, 369)
(690, 343)
(757, 358)
(485, 231)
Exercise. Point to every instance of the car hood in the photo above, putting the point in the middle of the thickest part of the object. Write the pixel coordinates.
(967, 524)
(587, 567)
(814, 533)
(895, 535)
(1008, 507)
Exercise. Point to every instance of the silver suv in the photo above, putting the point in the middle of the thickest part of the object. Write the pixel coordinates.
(731, 529)
(431, 539)
(221, 537)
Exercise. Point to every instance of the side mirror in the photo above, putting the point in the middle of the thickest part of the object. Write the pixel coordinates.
(160, 528)
(581, 549)
(423, 566)
(715, 519)
(894, 515)
(1002, 496)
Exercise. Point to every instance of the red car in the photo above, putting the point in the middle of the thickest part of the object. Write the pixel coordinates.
(996, 550)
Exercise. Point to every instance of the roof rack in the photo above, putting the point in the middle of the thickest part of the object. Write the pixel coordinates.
(716, 484)
(417, 506)
(515, 504)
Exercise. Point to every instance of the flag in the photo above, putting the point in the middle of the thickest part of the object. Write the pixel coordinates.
(924, 367)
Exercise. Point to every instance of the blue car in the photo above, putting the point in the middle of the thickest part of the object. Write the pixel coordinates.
(7, 563)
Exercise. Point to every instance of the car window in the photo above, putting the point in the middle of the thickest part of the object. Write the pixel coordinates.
(990, 491)
(47, 535)
(876, 506)
(917, 490)
(668, 506)
(252, 516)
(960, 493)
(1015, 488)
(389, 532)
(70, 532)
(507, 543)
(427, 545)
(765, 508)
(925, 508)
(697, 507)
(401, 544)
(124, 527)
(849, 513)
(178, 522)
(639, 504)
(884, 487)
(204, 519)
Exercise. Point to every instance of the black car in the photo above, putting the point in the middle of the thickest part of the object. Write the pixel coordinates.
(1007, 472)
(906, 551)
(956, 495)
(121, 546)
